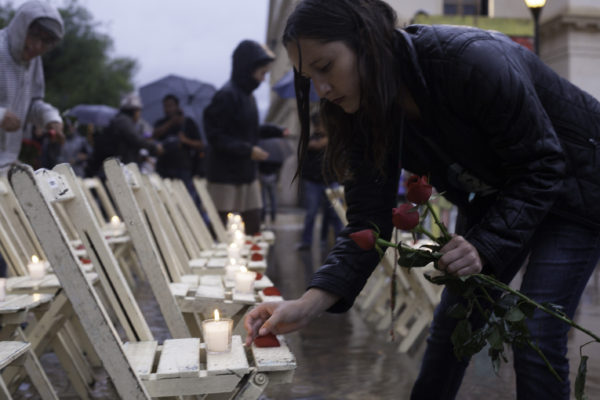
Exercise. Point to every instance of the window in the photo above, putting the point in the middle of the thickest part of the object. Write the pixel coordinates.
(465, 7)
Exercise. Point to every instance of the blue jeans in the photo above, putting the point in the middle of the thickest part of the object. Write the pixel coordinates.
(315, 198)
(562, 257)
(268, 184)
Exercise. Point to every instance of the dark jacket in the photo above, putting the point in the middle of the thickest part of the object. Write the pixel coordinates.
(507, 139)
(176, 155)
(231, 120)
(120, 138)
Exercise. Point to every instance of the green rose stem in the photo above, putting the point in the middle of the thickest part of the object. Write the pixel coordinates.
(566, 320)
(439, 223)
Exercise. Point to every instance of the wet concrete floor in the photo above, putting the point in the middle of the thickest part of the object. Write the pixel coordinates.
(339, 356)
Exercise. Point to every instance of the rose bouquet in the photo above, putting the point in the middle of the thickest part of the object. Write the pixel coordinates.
(501, 309)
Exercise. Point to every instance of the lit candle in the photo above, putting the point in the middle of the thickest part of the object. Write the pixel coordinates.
(244, 281)
(36, 268)
(217, 334)
(231, 269)
(116, 225)
(233, 251)
(239, 238)
(2, 289)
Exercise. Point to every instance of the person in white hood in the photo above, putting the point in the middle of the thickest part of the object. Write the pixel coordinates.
(35, 29)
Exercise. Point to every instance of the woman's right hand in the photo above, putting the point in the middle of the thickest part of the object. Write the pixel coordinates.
(287, 316)
(276, 318)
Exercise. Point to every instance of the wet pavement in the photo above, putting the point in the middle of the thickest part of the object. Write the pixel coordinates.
(339, 356)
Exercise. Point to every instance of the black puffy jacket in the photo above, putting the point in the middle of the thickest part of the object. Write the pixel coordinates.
(507, 139)
(231, 120)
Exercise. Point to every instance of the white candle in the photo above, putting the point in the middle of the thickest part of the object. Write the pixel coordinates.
(244, 281)
(116, 225)
(239, 238)
(36, 268)
(2, 289)
(233, 251)
(217, 334)
(232, 269)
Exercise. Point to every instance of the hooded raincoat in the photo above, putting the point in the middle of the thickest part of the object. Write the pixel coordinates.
(22, 83)
(231, 119)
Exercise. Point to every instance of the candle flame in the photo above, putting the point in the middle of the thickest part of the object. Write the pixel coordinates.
(229, 215)
(115, 220)
(216, 315)
(36, 296)
(35, 259)
(244, 269)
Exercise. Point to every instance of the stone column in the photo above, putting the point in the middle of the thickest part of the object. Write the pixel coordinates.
(570, 41)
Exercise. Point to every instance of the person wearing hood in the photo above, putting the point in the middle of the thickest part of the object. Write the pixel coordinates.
(232, 127)
(35, 29)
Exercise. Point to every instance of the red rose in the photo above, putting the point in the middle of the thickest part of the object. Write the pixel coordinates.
(268, 340)
(255, 247)
(85, 260)
(259, 276)
(364, 239)
(418, 191)
(256, 257)
(405, 217)
(271, 291)
(248, 242)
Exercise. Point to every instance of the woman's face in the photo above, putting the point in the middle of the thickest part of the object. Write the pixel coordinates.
(332, 67)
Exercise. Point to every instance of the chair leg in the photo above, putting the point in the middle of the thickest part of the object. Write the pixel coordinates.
(38, 376)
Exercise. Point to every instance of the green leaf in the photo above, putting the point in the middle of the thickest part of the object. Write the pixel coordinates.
(460, 336)
(495, 338)
(514, 315)
(415, 259)
(580, 380)
(527, 308)
(457, 311)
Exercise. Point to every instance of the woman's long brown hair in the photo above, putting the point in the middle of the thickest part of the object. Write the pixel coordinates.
(368, 27)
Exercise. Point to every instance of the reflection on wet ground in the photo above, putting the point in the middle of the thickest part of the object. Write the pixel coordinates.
(339, 356)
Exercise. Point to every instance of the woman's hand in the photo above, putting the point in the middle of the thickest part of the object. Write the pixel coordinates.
(460, 257)
(287, 316)
(276, 318)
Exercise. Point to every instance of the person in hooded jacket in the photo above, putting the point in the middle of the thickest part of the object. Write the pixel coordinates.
(232, 127)
(510, 142)
(122, 138)
(35, 29)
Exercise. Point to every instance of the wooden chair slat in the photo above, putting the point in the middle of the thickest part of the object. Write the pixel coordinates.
(274, 358)
(234, 361)
(179, 358)
(141, 356)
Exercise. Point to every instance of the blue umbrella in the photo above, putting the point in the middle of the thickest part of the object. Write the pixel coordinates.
(97, 114)
(285, 87)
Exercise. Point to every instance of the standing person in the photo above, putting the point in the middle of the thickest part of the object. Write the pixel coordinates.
(314, 183)
(269, 169)
(232, 126)
(180, 140)
(35, 29)
(75, 150)
(509, 141)
(121, 138)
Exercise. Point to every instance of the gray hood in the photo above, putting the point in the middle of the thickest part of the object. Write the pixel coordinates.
(16, 30)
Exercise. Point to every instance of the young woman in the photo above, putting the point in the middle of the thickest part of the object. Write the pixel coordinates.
(510, 142)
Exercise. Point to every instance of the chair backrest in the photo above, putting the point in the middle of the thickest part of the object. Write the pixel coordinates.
(211, 210)
(18, 228)
(36, 193)
(123, 188)
(191, 215)
(182, 228)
